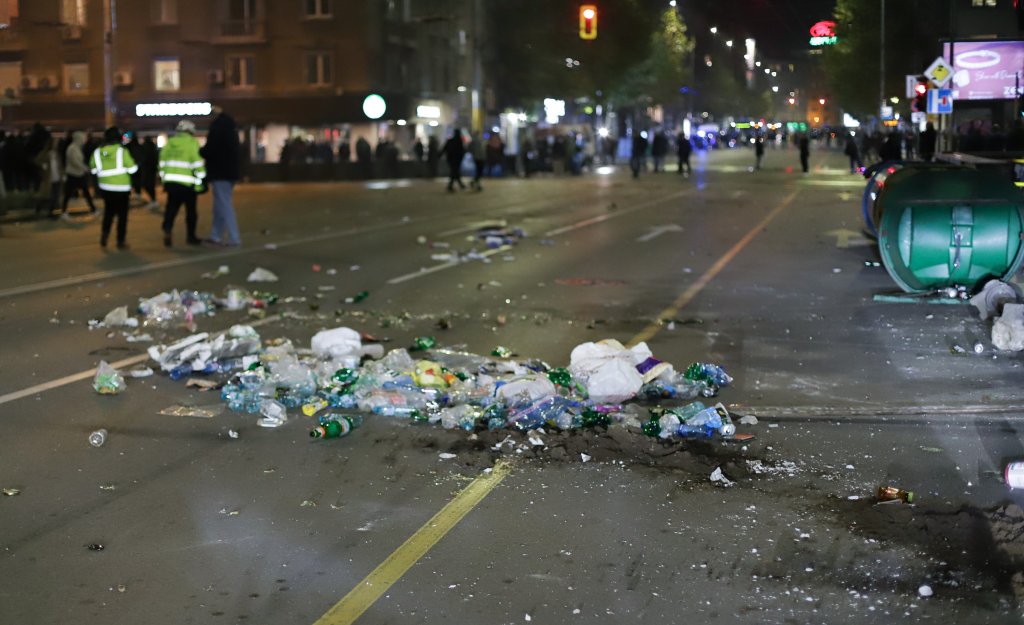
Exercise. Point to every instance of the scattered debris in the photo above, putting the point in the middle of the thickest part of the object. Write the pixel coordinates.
(179, 410)
(11, 492)
(98, 438)
(261, 275)
(1008, 328)
(718, 477)
(108, 381)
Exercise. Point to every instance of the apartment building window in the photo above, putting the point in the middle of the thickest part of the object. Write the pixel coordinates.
(319, 8)
(242, 10)
(72, 12)
(984, 3)
(8, 11)
(164, 11)
(76, 77)
(240, 72)
(318, 69)
(167, 75)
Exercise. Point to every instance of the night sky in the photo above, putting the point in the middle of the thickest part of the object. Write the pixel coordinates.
(779, 26)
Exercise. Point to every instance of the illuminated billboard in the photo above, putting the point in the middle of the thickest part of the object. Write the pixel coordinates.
(987, 70)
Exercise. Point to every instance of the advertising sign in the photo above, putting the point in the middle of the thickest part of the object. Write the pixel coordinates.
(987, 70)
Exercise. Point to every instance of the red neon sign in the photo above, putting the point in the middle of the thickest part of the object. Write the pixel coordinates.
(824, 28)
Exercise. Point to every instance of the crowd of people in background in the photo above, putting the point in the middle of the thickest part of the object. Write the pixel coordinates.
(53, 170)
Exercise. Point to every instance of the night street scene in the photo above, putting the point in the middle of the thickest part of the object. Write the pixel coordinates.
(320, 312)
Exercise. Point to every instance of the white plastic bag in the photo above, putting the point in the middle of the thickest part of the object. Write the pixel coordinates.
(608, 370)
(336, 342)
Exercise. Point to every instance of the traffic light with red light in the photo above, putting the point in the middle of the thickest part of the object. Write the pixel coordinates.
(920, 102)
(588, 21)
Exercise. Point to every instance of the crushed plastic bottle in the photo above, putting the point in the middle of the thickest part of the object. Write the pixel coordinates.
(274, 414)
(97, 438)
(108, 381)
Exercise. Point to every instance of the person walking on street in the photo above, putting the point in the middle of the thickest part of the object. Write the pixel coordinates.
(759, 151)
(454, 151)
(638, 157)
(433, 155)
(853, 153)
(659, 148)
(476, 149)
(223, 169)
(683, 151)
(182, 172)
(113, 167)
(76, 174)
(148, 156)
(927, 143)
(805, 152)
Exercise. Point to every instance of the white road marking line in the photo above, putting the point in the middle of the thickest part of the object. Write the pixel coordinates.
(83, 375)
(617, 213)
(167, 264)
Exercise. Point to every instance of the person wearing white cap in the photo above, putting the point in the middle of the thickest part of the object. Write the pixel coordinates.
(182, 171)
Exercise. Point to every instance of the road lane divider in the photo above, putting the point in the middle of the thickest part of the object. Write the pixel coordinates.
(180, 262)
(694, 289)
(374, 585)
(425, 271)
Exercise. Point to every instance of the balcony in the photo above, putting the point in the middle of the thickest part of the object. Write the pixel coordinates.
(241, 31)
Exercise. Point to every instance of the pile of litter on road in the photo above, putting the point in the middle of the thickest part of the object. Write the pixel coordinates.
(182, 309)
(605, 383)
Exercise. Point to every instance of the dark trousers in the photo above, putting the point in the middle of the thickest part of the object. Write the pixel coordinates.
(80, 183)
(455, 176)
(178, 194)
(115, 204)
(478, 172)
(803, 161)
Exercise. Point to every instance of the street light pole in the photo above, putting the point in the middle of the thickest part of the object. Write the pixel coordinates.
(881, 68)
(109, 25)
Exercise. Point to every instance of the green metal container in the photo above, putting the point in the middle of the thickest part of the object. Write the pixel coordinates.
(947, 226)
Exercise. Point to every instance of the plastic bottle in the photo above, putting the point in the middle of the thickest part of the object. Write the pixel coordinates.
(97, 438)
(180, 371)
(314, 405)
(538, 413)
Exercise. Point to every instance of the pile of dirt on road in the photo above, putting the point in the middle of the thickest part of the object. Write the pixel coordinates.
(615, 445)
(972, 553)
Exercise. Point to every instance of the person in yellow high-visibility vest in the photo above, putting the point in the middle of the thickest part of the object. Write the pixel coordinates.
(183, 172)
(113, 167)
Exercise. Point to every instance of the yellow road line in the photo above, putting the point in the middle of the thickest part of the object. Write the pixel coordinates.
(374, 585)
(352, 605)
(694, 289)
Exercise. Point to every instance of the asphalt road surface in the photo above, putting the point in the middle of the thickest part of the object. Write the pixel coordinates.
(766, 273)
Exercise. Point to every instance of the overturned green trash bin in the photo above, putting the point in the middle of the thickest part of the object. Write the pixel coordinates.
(947, 226)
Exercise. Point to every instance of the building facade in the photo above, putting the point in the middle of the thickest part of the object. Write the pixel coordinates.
(282, 68)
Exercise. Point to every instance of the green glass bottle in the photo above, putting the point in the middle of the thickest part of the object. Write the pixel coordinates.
(423, 342)
(336, 426)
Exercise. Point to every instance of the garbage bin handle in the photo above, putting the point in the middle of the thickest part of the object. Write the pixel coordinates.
(958, 238)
